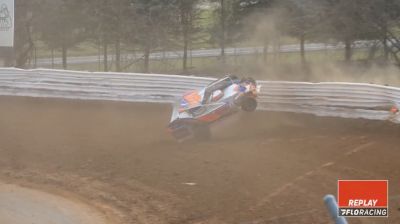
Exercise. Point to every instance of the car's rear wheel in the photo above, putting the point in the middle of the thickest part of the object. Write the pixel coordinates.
(249, 104)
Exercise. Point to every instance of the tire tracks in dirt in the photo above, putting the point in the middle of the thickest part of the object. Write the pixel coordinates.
(290, 184)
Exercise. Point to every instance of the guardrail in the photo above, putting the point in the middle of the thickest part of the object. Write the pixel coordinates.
(348, 100)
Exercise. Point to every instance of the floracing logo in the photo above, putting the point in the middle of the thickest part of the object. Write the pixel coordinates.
(363, 198)
(5, 18)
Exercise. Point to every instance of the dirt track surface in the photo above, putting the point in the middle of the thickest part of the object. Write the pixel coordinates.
(259, 168)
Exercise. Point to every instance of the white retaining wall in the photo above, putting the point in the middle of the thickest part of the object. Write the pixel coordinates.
(349, 100)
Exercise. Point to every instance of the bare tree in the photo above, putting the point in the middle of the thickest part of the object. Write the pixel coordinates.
(299, 19)
(187, 19)
(26, 12)
(61, 25)
(155, 23)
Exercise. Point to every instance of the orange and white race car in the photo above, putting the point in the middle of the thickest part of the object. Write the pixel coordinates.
(196, 110)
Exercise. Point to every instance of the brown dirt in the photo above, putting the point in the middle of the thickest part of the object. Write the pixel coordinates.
(259, 168)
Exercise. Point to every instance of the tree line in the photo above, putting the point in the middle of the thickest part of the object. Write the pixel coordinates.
(148, 26)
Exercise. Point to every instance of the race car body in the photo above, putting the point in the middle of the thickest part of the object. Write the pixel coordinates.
(196, 110)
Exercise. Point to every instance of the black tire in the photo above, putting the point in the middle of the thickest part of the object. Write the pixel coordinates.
(202, 132)
(249, 104)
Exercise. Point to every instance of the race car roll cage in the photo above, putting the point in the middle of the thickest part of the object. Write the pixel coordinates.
(218, 85)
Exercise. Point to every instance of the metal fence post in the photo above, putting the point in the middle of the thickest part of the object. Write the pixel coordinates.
(333, 208)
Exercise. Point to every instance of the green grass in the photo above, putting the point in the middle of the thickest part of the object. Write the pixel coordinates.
(321, 66)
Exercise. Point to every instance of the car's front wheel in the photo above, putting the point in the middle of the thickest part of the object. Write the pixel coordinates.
(249, 104)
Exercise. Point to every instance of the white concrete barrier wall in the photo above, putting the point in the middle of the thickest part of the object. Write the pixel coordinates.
(348, 100)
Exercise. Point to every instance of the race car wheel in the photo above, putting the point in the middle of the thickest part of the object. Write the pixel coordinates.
(201, 132)
(249, 104)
